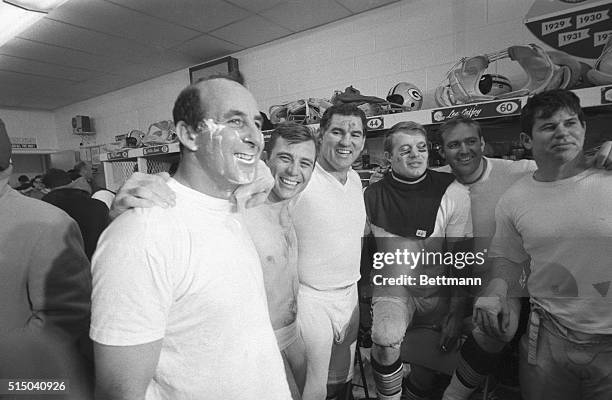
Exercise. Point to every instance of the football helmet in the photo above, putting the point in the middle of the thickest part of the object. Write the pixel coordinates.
(407, 95)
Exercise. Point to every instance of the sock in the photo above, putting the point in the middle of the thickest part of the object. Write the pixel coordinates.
(388, 379)
(412, 392)
(473, 367)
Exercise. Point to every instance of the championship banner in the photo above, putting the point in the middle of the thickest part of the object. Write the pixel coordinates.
(578, 27)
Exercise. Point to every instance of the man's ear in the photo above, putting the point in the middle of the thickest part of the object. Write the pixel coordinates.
(187, 136)
(319, 135)
(387, 156)
(264, 156)
(441, 151)
(525, 140)
(482, 144)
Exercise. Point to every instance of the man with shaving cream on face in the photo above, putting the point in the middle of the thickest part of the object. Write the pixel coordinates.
(187, 318)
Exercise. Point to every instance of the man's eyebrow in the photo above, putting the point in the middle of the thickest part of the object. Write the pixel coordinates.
(232, 113)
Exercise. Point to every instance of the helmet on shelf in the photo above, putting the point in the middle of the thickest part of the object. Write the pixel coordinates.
(407, 95)
(494, 84)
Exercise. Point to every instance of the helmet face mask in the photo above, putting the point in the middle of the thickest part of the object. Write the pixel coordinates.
(407, 95)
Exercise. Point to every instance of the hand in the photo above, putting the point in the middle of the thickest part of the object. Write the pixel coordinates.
(256, 192)
(603, 157)
(492, 315)
(143, 190)
(451, 329)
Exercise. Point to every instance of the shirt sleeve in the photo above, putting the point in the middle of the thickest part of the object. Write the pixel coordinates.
(507, 241)
(457, 203)
(132, 282)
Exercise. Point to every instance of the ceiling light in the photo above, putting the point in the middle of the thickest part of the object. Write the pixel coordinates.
(43, 6)
(17, 15)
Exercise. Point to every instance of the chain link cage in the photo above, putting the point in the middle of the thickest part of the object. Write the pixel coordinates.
(161, 163)
(122, 170)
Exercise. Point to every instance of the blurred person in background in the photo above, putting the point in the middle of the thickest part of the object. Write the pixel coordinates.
(73, 197)
(45, 289)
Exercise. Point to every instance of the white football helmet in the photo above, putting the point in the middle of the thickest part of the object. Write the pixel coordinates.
(407, 95)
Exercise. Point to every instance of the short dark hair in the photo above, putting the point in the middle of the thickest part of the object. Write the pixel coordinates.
(56, 177)
(23, 178)
(74, 174)
(454, 122)
(545, 104)
(405, 126)
(345, 109)
(188, 108)
(293, 133)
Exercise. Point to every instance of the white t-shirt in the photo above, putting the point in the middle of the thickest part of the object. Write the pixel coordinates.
(329, 219)
(498, 176)
(188, 275)
(565, 227)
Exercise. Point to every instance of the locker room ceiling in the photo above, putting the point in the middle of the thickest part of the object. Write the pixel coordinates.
(86, 48)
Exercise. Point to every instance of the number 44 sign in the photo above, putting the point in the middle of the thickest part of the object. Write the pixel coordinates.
(578, 27)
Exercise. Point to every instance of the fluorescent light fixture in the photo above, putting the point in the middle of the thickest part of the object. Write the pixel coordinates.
(18, 15)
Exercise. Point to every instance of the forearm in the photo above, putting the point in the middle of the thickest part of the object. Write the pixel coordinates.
(502, 277)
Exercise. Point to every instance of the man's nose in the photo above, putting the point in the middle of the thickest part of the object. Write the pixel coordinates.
(562, 131)
(254, 137)
(345, 139)
(293, 168)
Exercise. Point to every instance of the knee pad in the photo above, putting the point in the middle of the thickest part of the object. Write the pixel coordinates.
(388, 332)
(389, 323)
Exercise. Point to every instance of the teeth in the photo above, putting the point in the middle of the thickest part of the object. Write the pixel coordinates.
(288, 181)
(343, 151)
(243, 156)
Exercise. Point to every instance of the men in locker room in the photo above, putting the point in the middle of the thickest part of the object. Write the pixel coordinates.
(487, 179)
(413, 209)
(179, 309)
(329, 218)
(559, 218)
(292, 155)
(45, 289)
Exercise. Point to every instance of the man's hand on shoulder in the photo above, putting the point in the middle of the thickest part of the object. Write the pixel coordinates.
(256, 192)
(143, 190)
(603, 157)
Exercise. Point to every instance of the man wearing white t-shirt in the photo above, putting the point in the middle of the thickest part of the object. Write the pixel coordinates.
(487, 179)
(178, 304)
(329, 218)
(559, 218)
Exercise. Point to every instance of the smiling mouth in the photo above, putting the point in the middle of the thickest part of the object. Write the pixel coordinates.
(465, 160)
(288, 182)
(344, 152)
(245, 158)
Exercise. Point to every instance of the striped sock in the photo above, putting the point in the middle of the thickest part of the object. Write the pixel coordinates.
(412, 392)
(388, 379)
(473, 367)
